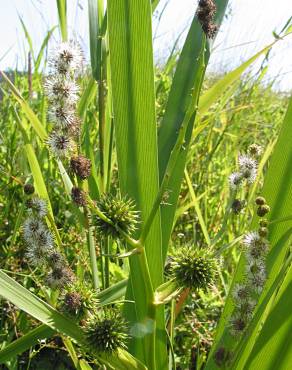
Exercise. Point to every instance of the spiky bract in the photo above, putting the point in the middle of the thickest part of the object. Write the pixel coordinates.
(78, 300)
(107, 332)
(193, 268)
(121, 212)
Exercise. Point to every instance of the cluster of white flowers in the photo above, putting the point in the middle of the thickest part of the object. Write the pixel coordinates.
(245, 295)
(39, 240)
(63, 93)
(247, 167)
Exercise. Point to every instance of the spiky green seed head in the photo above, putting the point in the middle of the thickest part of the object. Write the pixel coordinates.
(121, 212)
(260, 201)
(107, 332)
(263, 210)
(193, 268)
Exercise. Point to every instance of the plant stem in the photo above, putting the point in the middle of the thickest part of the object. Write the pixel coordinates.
(91, 245)
(106, 263)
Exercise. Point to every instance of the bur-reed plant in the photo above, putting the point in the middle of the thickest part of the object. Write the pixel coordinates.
(123, 184)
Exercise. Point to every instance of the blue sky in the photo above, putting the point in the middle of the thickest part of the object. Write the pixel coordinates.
(248, 28)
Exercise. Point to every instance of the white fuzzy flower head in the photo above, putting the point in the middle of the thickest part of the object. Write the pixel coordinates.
(66, 58)
(247, 167)
(31, 227)
(62, 115)
(43, 239)
(246, 308)
(237, 325)
(60, 89)
(37, 205)
(252, 239)
(256, 267)
(35, 256)
(256, 246)
(257, 282)
(59, 144)
(60, 277)
(240, 293)
(235, 180)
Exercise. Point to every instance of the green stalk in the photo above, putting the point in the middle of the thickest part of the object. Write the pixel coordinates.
(150, 338)
(62, 14)
(171, 335)
(178, 147)
(106, 263)
(91, 244)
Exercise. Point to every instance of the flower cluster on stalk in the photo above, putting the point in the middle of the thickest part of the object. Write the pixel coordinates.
(245, 294)
(40, 244)
(62, 90)
(247, 173)
(247, 164)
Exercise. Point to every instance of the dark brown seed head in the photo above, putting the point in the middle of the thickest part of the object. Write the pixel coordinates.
(28, 189)
(205, 13)
(81, 166)
(260, 201)
(72, 301)
(263, 210)
(78, 196)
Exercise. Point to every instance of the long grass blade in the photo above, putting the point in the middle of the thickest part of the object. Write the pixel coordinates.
(62, 15)
(132, 76)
